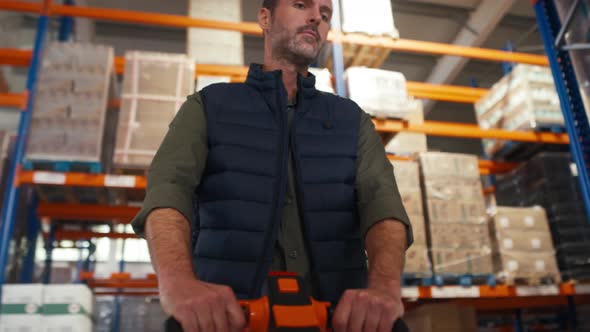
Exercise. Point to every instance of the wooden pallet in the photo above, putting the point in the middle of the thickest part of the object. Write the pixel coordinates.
(362, 56)
(536, 280)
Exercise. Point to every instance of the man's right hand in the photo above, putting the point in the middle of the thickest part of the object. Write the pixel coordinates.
(200, 306)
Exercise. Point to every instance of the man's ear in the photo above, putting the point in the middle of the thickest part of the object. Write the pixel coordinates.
(264, 18)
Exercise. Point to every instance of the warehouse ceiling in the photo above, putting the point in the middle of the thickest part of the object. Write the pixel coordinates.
(443, 21)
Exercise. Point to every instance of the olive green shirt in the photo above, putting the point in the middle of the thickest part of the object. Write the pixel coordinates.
(176, 170)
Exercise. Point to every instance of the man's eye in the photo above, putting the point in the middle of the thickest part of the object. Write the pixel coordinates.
(299, 5)
(325, 18)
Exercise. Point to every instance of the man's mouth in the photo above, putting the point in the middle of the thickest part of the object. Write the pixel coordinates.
(311, 33)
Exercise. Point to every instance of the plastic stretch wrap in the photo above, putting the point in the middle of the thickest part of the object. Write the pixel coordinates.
(155, 86)
(407, 176)
(70, 109)
(376, 19)
(378, 92)
(459, 239)
(523, 246)
(408, 143)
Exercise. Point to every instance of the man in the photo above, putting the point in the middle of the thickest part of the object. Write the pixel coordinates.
(275, 175)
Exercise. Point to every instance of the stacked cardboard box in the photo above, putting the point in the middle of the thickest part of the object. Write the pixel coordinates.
(443, 317)
(550, 180)
(376, 19)
(523, 247)
(46, 308)
(409, 143)
(154, 87)
(407, 177)
(525, 99)
(381, 93)
(457, 224)
(69, 116)
(323, 79)
(216, 46)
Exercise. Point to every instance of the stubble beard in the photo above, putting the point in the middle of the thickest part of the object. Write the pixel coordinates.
(286, 48)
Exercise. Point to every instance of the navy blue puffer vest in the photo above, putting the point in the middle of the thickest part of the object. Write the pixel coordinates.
(243, 188)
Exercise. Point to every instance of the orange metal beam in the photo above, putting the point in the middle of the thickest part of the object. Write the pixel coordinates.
(82, 235)
(468, 131)
(123, 214)
(15, 57)
(16, 100)
(83, 179)
(179, 21)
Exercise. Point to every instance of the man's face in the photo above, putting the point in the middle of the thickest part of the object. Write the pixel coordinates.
(298, 29)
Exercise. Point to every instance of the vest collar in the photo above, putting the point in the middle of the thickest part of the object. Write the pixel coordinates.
(267, 80)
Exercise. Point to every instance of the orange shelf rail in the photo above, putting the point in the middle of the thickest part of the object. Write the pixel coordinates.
(61, 235)
(458, 94)
(122, 214)
(179, 21)
(15, 100)
(82, 179)
(435, 128)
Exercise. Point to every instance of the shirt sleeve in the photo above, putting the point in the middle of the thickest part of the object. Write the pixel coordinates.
(378, 197)
(177, 167)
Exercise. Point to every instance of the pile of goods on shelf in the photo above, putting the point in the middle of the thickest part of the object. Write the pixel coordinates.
(214, 46)
(138, 313)
(523, 247)
(405, 143)
(439, 317)
(456, 214)
(154, 87)
(524, 99)
(69, 118)
(407, 175)
(550, 180)
(37, 307)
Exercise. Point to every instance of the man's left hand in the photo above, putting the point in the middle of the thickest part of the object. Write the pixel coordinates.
(374, 309)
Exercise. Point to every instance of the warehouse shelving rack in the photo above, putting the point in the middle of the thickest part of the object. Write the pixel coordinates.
(479, 295)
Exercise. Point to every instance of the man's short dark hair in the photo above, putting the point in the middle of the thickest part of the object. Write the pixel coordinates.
(270, 4)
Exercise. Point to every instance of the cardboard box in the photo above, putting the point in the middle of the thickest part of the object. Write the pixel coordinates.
(378, 92)
(409, 143)
(531, 241)
(523, 218)
(155, 85)
(459, 236)
(407, 174)
(441, 164)
(67, 308)
(376, 19)
(70, 113)
(212, 46)
(412, 200)
(462, 261)
(443, 317)
(418, 229)
(526, 264)
(417, 261)
(21, 308)
(445, 211)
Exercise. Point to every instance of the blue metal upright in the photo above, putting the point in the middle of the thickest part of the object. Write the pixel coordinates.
(33, 227)
(337, 53)
(8, 217)
(566, 83)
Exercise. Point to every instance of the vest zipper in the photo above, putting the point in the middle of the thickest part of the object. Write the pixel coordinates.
(279, 194)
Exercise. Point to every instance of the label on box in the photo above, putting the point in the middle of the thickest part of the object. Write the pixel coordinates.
(454, 291)
(119, 181)
(504, 222)
(410, 292)
(574, 169)
(529, 221)
(540, 265)
(508, 243)
(49, 178)
(536, 243)
(512, 265)
(537, 290)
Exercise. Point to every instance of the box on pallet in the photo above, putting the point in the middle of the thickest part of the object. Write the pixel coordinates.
(216, 46)
(459, 236)
(523, 247)
(442, 317)
(417, 261)
(67, 308)
(376, 19)
(378, 92)
(70, 113)
(462, 261)
(525, 99)
(21, 308)
(408, 143)
(154, 87)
